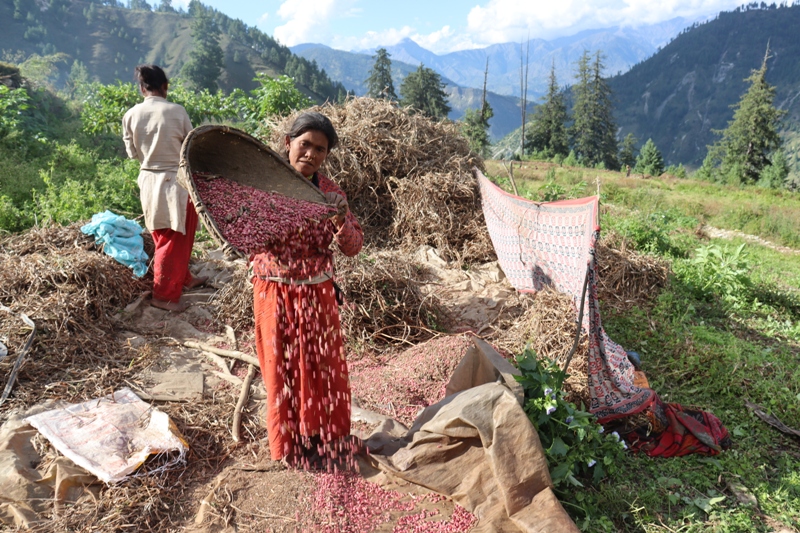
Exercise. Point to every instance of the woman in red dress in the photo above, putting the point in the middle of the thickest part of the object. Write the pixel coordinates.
(298, 335)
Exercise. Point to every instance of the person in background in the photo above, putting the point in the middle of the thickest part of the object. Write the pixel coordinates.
(153, 132)
(298, 333)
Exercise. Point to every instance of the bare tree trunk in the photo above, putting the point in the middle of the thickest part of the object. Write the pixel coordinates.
(483, 99)
(523, 89)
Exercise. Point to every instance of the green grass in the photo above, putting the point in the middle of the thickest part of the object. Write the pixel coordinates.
(705, 348)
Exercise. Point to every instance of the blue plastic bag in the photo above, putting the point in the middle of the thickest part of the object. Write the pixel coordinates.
(121, 239)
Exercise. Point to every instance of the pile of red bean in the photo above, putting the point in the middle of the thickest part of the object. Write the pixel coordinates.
(252, 220)
(345, 502)
(399, 385)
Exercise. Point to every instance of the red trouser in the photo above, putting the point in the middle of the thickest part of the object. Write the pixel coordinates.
(171, 261)
(302, 359)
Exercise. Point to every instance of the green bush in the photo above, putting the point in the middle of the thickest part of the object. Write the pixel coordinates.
(73, 199)
(576, 447)
(11, 217)
(650, 232)
(717, 271)
(571, 160)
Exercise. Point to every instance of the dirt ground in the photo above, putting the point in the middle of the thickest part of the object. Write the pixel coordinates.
(251, 492)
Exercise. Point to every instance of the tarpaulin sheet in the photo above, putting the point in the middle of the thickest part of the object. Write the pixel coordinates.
(478, 447)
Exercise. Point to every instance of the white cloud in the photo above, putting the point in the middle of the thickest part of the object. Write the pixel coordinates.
(437, 41)
(261, 23)
(177, 4)
(500, 21)
(372, 39)
(310, 25)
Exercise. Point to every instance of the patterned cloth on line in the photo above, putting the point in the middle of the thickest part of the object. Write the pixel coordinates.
(540, 244)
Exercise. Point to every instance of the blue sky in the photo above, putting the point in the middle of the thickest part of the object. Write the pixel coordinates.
(447, 25)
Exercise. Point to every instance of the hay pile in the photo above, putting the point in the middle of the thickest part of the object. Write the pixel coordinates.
(547, 320)
(71, 291)
(547, 325)
(383, 300)
(407, 178)
(626, 279)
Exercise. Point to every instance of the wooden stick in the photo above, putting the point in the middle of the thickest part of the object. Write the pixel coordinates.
(237, 411)
(230, 378)
(233, 354)
(510, 170)
(220, 362)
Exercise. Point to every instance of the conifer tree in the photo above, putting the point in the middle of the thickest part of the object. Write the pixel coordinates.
(423, 90)
(650, 160)
(751, 138)
(206, 59)
(548, 133)
(594, 129)
(379, 82)
(627, 152)
(476, 122)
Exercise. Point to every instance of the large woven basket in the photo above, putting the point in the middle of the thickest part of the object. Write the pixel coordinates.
(237, 156)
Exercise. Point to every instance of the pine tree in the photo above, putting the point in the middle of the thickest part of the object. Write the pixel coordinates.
(166, 7)
(206, 59)
(548, 133)
(476, 122)
(751, 138)
(650, 160)
(379, 82)
(627, 152)
(594, 129)
(423, 91)
(476, 129)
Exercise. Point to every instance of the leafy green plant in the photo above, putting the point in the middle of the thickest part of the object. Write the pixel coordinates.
(12, 103)
(553, 191)
(575, 445)
(722, 272)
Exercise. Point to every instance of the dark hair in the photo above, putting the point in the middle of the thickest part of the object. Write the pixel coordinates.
(312, 120)
(151, 77)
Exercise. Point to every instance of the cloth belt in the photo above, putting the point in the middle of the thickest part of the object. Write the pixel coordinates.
(321, 278)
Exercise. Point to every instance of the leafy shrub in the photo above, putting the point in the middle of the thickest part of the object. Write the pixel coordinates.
(73, 199)
(647, 233)
(575, 446)
(552, 191)
(12, 103)
(571, 160)
(677, 171)
(11, 217)
(721, 272)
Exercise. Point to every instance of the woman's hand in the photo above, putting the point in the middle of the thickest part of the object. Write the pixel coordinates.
(338, 201)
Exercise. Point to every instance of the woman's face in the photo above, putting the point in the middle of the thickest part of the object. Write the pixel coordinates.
(307, 152)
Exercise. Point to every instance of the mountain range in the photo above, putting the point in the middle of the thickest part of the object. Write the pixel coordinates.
(463, 71)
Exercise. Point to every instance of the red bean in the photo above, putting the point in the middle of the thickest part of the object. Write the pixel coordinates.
(253, 220)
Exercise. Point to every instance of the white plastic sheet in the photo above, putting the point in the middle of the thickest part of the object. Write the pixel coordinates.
(111, 436)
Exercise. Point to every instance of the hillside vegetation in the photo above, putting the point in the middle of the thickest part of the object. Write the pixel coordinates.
(682, 94)
(109, 41)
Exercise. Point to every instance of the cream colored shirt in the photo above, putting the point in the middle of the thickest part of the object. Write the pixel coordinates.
(153, 132)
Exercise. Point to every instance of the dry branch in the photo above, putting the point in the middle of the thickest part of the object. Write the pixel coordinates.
(237, 411)
(233, 354)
